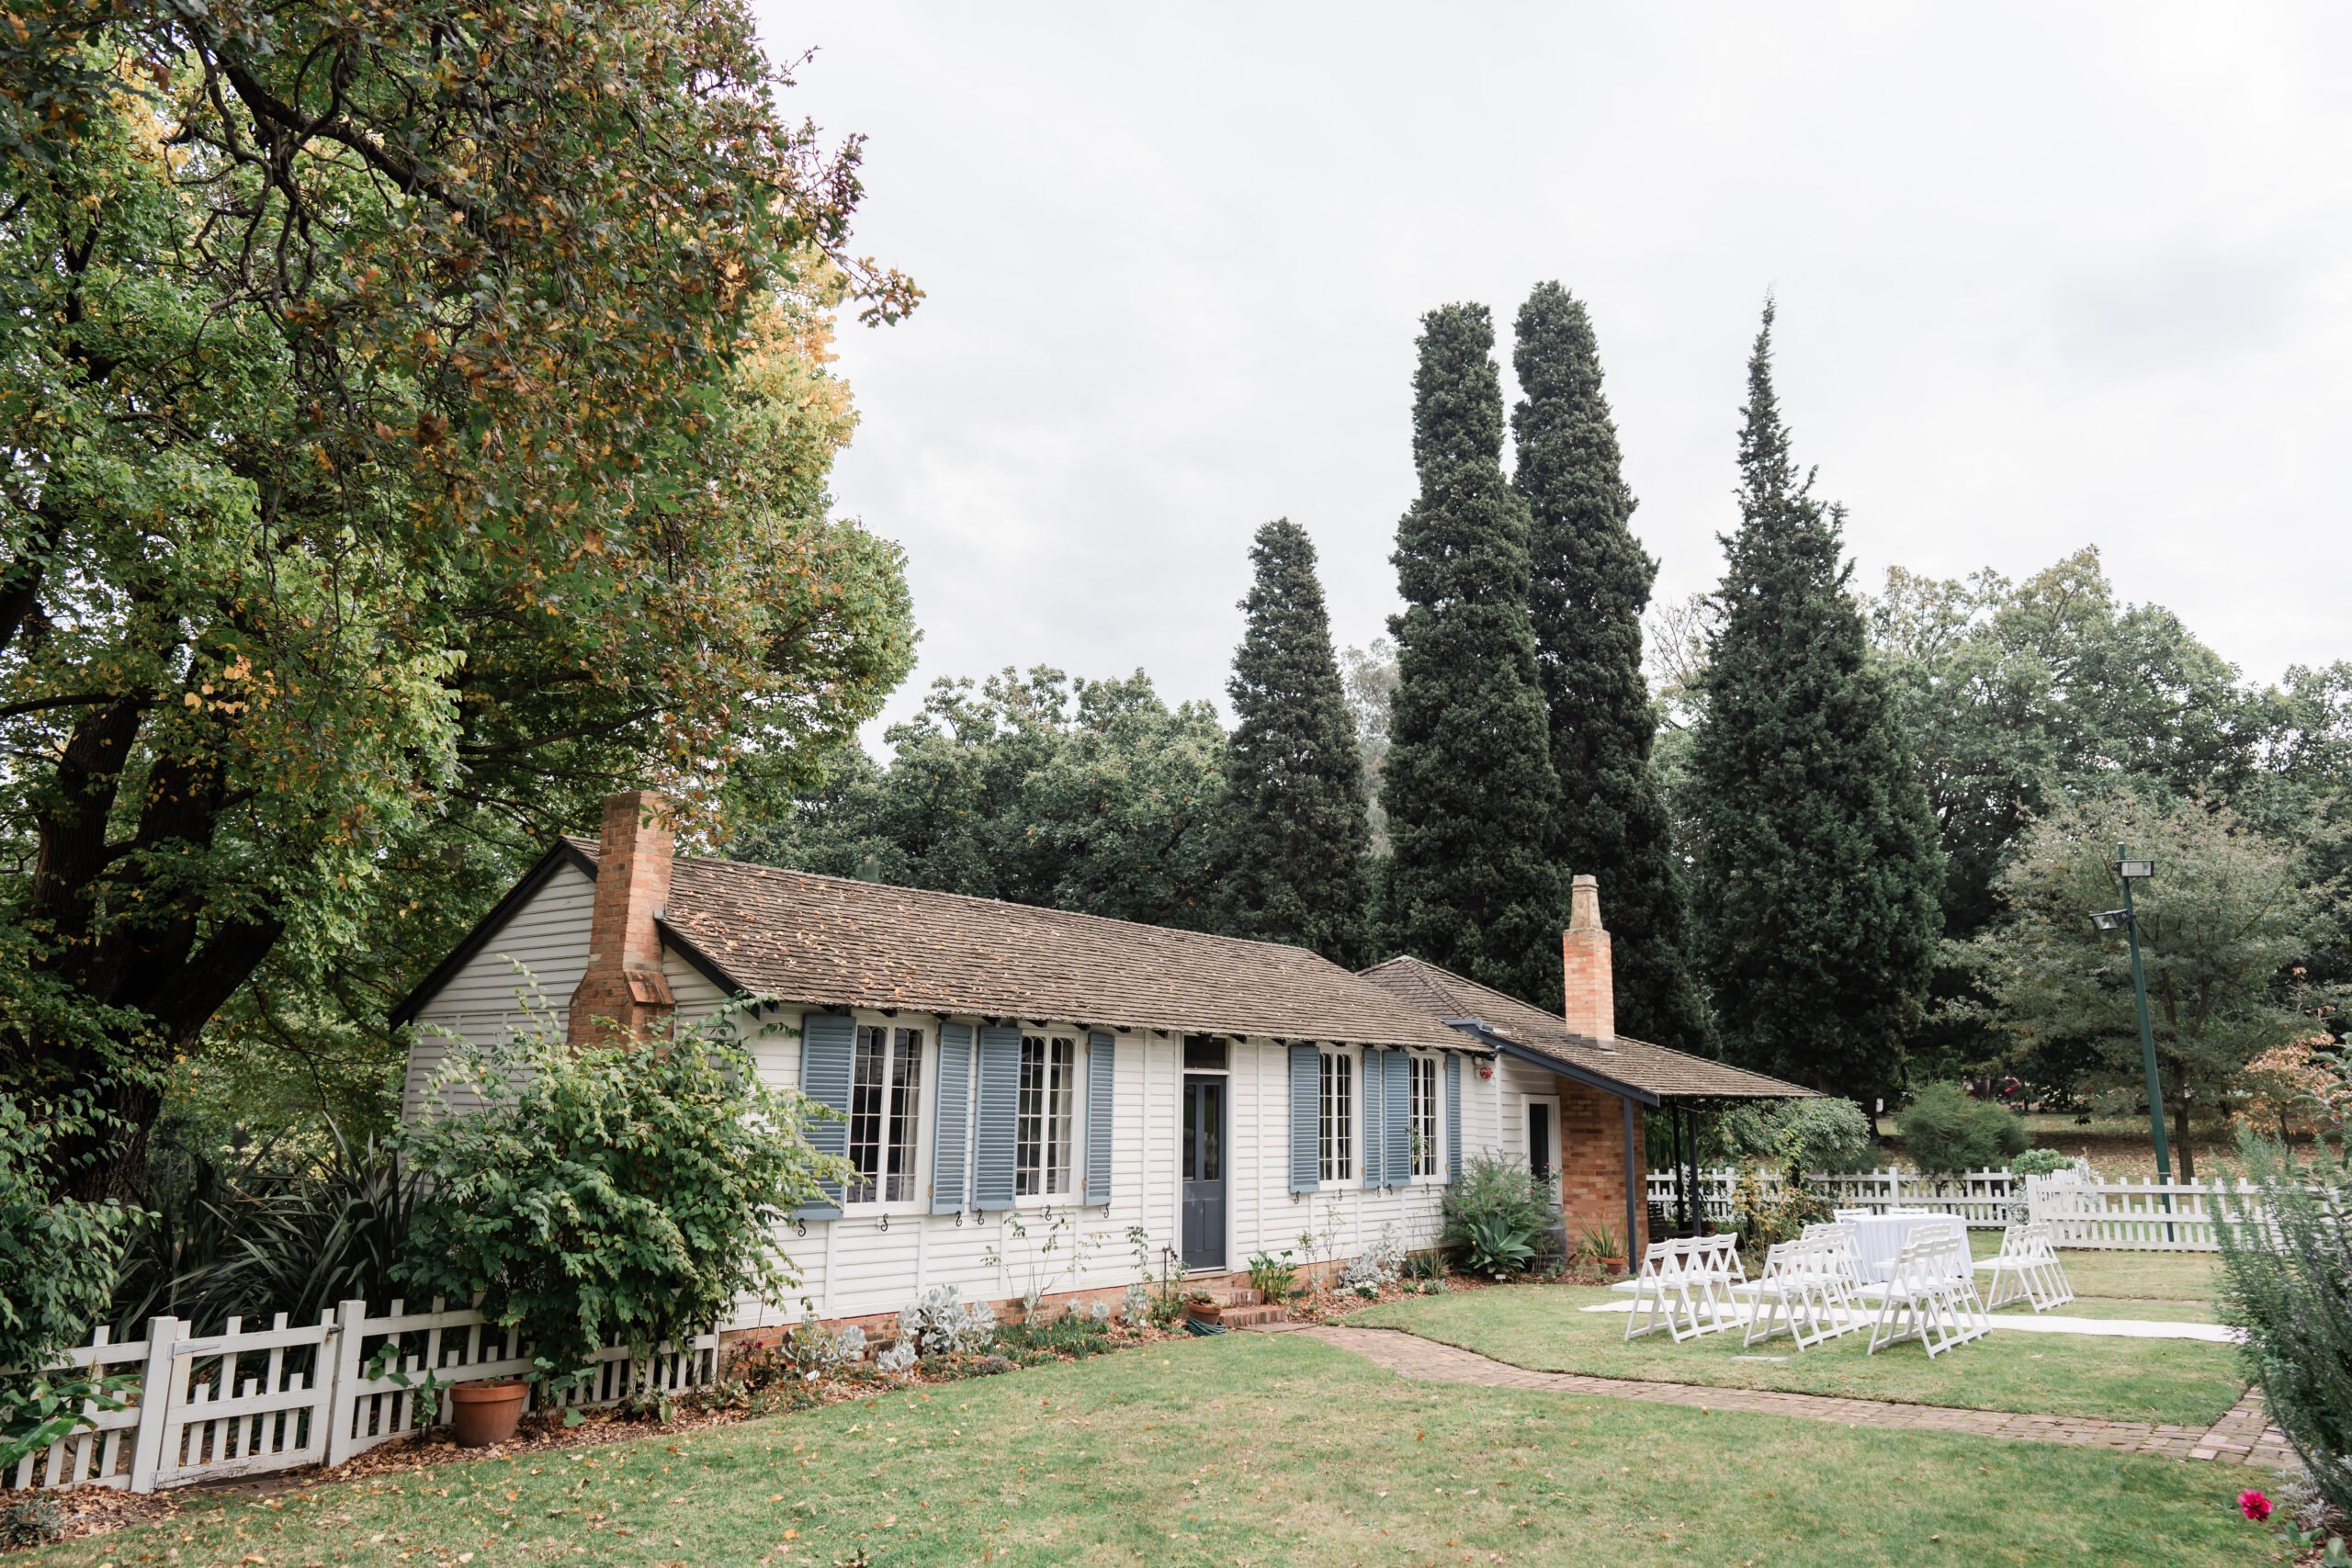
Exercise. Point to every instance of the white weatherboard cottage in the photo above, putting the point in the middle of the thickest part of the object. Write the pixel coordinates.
(1010, 1075)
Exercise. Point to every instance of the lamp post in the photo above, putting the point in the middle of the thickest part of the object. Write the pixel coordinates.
(2128, 870)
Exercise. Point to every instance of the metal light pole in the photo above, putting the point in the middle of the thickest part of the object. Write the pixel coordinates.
(2128, 870)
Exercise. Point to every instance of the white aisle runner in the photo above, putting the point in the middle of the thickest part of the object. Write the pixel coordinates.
(2050, 1323)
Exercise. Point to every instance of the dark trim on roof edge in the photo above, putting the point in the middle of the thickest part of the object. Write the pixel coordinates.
(702, 962)
(559, 854)
(1479, 1028)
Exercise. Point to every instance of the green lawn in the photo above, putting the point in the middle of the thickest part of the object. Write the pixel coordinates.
(1245, 1448)
(2061, 1374)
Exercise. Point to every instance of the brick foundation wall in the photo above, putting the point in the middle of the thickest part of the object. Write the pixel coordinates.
(881, 1325)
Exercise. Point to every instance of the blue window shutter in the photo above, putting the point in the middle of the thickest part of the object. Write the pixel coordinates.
(951, 1136)
(1101, 1068)
(827, 1040)
(1306, 1118)
(1369, 1137)
(997, 1124)
(1397, 1109)
(1452, 1117)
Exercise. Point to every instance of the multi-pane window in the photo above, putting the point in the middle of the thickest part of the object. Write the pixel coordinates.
(1339, 1117)
(884, 1113)
(1424, 1107)
(1042, 1140)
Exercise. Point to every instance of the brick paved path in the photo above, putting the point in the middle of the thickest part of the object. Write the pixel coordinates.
(2242, 1434)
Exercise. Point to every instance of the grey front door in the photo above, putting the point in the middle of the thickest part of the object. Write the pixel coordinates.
(1204, 1172)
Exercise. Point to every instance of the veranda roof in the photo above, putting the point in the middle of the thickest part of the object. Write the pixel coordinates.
(1654, 1073)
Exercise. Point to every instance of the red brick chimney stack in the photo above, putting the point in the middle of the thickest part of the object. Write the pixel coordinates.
(1584, 954)
(624, 983)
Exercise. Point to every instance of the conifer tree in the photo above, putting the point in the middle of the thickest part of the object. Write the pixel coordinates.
(1467, 782)
(1817, 865)
(1590, 581)
(1296, 855)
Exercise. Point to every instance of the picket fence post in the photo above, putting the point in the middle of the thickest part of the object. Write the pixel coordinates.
(341, 1446)
(163, 1336)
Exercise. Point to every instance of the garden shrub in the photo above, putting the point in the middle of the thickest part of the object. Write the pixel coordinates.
(936, 1323)
(2039, 1162)
(59, 1260)
(2286, 1280)
(250, 1242)
(1945, 1131)
(1379, 1266)
(1497, 1215)
(1272, 1275)
(1078, 1337)
(1763, 1215)
(30, 1521)
(59, 1256)
(1828, 1134)
(628, 1192)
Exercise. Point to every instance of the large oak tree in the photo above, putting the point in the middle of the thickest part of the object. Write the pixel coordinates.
(389, 394)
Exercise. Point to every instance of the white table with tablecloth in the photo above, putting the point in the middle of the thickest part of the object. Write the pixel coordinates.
(1880, 1239)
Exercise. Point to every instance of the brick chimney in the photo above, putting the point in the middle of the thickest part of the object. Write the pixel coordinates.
(1584, 954)
(624, 983)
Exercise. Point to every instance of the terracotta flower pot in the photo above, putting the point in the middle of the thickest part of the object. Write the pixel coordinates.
(486, 1412)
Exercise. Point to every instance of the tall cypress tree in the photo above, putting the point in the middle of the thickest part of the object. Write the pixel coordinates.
(1295, 863)
(1591, 582)
(1467, 782)
(1817, 865)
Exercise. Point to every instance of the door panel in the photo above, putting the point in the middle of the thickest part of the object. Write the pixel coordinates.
(1203, 1161)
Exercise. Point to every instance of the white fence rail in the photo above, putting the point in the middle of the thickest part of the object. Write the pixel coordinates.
(210, 1407)
(1979, 1196)
(2082, 1211)
(2139, 1216)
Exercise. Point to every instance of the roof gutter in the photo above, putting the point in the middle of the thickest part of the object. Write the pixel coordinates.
(1480, 1029)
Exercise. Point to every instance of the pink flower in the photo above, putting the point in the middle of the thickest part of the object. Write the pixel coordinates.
(2253, 1506)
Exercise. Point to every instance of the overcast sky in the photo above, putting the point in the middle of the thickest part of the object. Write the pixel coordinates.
(2048, 277)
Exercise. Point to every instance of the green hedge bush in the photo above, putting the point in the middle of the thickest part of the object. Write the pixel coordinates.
(626, 1192)
(1945, 1130)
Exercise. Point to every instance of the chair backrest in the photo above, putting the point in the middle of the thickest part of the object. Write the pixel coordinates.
(1657, 1259)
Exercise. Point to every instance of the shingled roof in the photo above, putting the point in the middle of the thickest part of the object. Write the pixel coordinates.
(1653, 1072)
(833, 942)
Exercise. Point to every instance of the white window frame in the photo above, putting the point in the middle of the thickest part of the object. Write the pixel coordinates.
(1069, 1146)
(1335, 1149)
(898, 1038)
(1424, 1098)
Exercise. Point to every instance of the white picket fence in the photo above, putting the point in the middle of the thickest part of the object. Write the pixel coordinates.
(1980, 1197)
(214, 1406)
(2082, 1211)
(2138, 1217)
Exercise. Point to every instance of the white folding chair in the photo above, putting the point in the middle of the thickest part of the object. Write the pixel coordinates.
(2057, 1289)
(2013, 1273)
(1658, 1289)
(1930, 1297)
(1791, 1294)
(1841, 1268)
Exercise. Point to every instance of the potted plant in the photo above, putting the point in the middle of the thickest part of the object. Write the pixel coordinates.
(487, 1411)
(1599, 1245)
